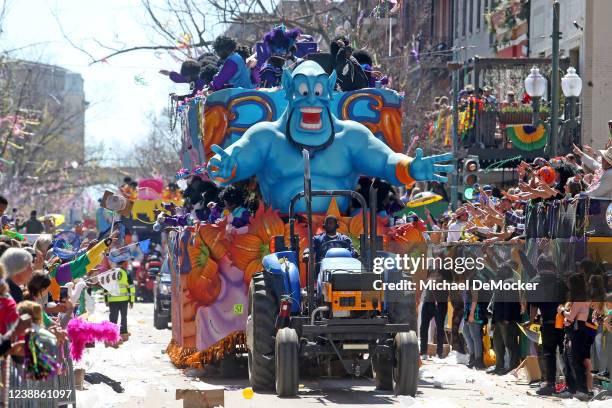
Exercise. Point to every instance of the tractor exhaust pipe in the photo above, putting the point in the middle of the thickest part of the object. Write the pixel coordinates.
(373, 232)
(316, 311)
(311, 255)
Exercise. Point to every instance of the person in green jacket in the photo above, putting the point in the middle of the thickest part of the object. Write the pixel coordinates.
(118, 304)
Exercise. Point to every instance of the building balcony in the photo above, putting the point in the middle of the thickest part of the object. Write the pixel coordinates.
(491, 135)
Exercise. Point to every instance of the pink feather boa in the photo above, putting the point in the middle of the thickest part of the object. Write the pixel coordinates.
(81, 332)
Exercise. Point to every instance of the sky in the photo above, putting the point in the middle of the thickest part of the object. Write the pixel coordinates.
(119, 103)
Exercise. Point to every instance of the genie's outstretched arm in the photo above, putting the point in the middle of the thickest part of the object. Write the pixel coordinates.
(243, 158)
(372, 157)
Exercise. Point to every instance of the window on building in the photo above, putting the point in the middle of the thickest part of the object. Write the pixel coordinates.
(478, 14)
(471, 16)
(464, 14)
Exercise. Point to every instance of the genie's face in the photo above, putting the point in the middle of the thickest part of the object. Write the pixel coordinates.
(309, 91)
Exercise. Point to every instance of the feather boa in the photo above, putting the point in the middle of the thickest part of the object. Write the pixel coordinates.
(81, 332)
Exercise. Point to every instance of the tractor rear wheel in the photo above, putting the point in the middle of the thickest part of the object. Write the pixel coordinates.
(406, 364)
(260, 335)
(287, 348)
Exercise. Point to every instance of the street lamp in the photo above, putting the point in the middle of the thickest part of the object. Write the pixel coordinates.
(535, 85)
(571, 85)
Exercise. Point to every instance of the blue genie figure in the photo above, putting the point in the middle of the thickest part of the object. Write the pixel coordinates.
(340, 150)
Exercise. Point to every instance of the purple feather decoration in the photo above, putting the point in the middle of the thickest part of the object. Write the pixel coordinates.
(280, 37)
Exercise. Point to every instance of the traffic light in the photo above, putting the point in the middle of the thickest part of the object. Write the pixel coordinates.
(471, 167)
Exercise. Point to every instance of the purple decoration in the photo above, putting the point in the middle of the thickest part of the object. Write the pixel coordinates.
(278, 41)
(182, 174)
(63, 274)
(279, 38)
(184, 262)
(176, 221)
(415, 54)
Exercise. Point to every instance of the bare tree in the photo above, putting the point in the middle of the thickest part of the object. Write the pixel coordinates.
(184, 28)
(42, 156)
(178, 27)
(4, 7)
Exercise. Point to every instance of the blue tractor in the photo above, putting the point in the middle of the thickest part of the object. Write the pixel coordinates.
(338, 317)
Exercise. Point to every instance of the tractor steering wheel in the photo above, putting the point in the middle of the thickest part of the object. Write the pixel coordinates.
(334, 243)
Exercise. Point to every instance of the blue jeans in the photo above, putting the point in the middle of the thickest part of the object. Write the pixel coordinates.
(472, 332)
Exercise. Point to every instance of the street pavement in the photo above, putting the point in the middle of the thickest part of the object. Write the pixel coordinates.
(150, 380)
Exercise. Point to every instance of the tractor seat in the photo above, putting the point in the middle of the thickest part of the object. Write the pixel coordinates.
(338, 253)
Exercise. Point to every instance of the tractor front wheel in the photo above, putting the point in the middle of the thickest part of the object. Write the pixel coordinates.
(287, 349)
(406, 363)
(260, 335)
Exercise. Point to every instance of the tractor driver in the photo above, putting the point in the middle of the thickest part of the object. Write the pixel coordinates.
(331, 238)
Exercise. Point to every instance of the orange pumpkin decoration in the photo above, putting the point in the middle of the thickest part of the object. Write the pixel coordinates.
(213, 236)
(203, 281)
(247, 250)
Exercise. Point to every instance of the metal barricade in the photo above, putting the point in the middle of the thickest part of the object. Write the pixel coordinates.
(4, 384)
(58, 391)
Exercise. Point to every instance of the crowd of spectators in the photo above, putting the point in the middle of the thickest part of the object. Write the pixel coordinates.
(28, 300)
(576, 318)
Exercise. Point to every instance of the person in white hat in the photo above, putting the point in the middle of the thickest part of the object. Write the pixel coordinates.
(603, 189)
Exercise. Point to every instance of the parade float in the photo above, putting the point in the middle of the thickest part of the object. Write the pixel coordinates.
(147, 196)
(211, 267)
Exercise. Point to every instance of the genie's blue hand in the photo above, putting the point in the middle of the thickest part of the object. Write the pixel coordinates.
(425, 168)
(222, 167)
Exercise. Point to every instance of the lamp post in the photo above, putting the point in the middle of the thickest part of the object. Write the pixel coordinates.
(571, 84)
(554, 109)
(535, 86)
(455, 66)
(571, 89)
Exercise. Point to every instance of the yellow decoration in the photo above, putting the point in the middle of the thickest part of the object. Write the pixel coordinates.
(248, 393)
(424, 198)
(146, 208)
(488, 354)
